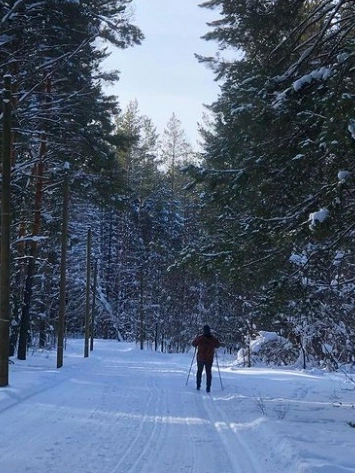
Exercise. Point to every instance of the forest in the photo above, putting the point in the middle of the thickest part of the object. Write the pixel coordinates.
(110, 230)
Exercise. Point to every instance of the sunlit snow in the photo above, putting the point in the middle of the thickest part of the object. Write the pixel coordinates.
(123, 410)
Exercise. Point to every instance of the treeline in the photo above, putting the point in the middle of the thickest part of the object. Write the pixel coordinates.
(124, 186)
(53, 51)
(253, 233)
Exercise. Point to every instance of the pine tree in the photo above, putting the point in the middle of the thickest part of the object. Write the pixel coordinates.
(60, 114)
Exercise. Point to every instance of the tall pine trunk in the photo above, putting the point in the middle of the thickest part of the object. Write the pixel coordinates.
(31, 267)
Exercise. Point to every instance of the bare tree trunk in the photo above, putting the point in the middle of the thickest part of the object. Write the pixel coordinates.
(5, 237)
(63, 268)
(87, 302)
(303, 351)
(93, 308)
(31, 267)
(141, 310)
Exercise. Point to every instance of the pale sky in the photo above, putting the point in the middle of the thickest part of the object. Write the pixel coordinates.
(163, 73)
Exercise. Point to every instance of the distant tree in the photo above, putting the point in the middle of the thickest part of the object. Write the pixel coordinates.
(175, 151)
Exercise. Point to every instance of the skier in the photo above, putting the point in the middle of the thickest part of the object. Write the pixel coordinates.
(205, 344)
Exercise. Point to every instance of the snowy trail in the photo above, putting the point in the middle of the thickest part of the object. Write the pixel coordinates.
(123, 410)
(134, 415)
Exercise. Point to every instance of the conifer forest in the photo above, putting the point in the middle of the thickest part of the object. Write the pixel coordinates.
(109, 229)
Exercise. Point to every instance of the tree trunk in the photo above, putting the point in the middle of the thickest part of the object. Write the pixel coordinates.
(87, 298)
(141, 310)
(25, 315)
(5, 236)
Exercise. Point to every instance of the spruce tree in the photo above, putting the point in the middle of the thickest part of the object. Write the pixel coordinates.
(282, 136)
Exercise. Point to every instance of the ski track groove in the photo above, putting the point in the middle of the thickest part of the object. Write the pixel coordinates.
(154, 421)
(222, 460)
(146, 461)
(140, 442)
(168, 412)
(192, 437)
(157, 439)
(239, 453)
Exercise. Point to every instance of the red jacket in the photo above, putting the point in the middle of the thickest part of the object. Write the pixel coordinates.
(206, 345)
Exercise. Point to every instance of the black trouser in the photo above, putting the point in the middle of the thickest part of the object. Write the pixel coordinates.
(208, 367)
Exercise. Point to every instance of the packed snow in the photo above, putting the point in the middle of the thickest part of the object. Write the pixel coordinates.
(124, 410)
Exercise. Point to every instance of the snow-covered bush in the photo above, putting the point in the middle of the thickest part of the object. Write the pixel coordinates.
(267, 348)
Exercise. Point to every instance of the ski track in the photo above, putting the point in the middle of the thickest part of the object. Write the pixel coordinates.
(240, 456)
(150, 422)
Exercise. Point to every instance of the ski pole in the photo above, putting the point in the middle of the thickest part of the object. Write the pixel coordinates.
(219, 373)
(190, 367)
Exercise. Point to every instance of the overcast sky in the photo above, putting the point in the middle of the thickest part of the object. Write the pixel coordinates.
(163, 73)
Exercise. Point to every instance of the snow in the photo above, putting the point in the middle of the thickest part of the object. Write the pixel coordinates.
(343, 176)
(123, 410)
(322, 73)
(263, 337)
(300, 260)
(298, 156)
(351, 128)
(319, 216)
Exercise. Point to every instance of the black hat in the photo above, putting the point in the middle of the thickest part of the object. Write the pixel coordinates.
(206, 330)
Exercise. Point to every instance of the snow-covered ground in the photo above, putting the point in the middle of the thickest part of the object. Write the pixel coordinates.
(123, 410)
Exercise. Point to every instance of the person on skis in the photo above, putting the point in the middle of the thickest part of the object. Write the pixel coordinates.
(205, 344)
